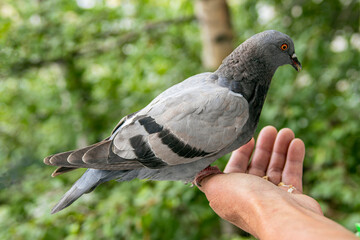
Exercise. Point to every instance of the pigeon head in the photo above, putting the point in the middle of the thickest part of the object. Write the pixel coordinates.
(276, 48)
(258, 57)
(249, 69)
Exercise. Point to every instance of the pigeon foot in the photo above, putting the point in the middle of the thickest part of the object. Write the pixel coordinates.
(208, 171)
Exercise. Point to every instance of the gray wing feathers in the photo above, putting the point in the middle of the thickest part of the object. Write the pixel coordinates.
(61, 170)
(191, 120)
(97, 154)
(75, 157)
(207, 118)
(187, 83)
(94, 156)
(58, 159)
(195, 114)
(122, 145)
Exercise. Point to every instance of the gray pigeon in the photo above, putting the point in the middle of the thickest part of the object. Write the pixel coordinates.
(188, 126)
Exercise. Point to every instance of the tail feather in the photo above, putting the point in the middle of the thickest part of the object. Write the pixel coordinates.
(88, 182)
(71, 196)
(59, 159)
(61, 170)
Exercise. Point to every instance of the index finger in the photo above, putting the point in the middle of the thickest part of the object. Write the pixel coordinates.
(240, 158)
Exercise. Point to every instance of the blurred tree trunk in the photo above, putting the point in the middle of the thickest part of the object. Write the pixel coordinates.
(217, 42)
(216, 31)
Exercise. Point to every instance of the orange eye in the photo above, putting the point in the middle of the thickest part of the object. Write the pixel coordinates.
(284, 46)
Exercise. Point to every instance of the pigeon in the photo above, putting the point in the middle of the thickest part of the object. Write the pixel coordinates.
(188, 126)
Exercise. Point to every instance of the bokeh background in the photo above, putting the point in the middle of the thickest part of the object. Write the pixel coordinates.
(70, 69)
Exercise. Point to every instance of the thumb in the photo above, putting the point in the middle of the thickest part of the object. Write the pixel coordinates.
(211, 185)
(204, 174)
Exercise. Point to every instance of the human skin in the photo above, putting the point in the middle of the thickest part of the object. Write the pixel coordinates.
(258, 206)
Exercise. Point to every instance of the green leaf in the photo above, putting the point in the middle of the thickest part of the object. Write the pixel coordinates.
(357, 225)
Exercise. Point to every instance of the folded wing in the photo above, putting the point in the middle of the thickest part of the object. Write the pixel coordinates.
(190, 121)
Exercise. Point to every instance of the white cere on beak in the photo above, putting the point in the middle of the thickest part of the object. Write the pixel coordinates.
(294, 55)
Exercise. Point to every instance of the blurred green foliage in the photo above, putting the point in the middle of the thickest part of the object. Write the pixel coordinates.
(357, 225)
(69, 70)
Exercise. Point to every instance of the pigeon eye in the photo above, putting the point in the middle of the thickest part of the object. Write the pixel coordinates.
(284, 46)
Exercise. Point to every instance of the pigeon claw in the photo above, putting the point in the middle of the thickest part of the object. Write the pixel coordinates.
(208, 171)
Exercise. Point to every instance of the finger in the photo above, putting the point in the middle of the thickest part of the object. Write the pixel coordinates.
(239, 159)
(264, 146)
(278, 155)
(293, 169)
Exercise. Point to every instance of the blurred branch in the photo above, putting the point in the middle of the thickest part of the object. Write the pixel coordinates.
(152, 25)
(25, 64)
(99, 47)
(95, 48)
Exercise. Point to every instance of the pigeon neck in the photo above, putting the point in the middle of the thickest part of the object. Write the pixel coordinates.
(249, 76)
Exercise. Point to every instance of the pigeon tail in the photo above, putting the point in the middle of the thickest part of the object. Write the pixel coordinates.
(87, 183)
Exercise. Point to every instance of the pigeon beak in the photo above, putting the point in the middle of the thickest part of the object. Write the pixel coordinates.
(295, 63)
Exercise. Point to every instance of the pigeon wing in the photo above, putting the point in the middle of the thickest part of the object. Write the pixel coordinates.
(196, 122)
(188, 122)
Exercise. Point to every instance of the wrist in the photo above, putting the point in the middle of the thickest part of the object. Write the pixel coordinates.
(256, 210)
(274, 213)
(270, 211)
(280, 216)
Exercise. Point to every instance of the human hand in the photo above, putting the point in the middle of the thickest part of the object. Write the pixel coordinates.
(236, 195)
(279, 157)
